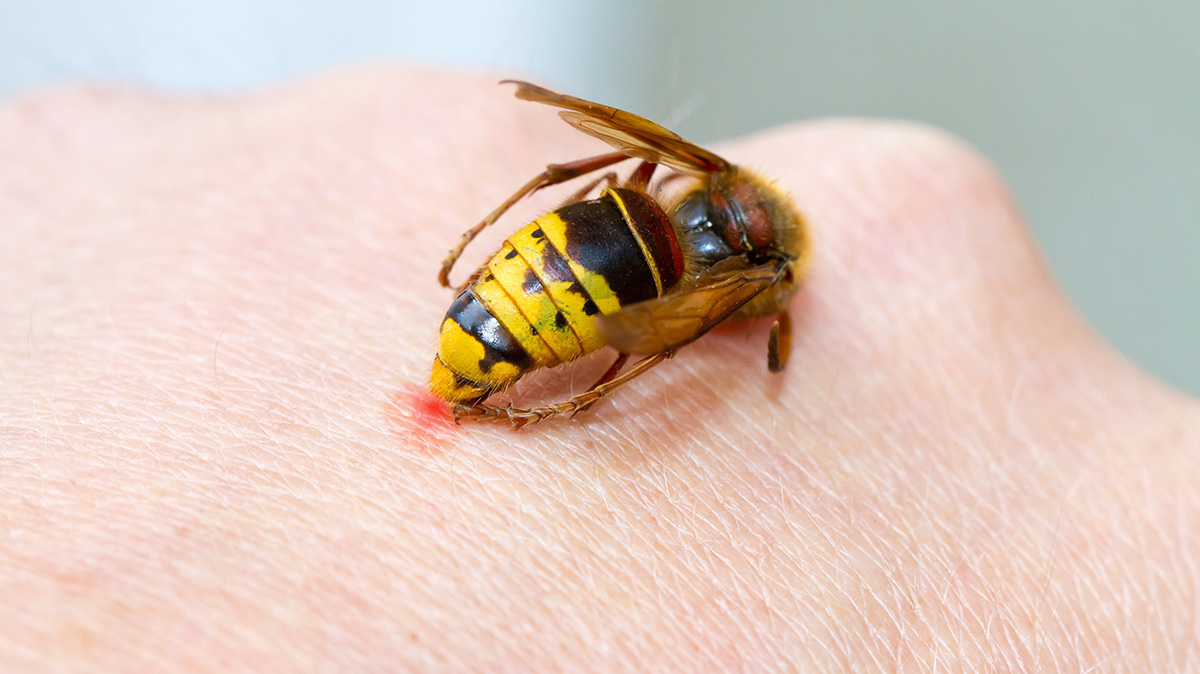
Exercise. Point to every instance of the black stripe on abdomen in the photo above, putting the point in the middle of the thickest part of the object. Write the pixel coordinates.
(599, 239)
(498, 343)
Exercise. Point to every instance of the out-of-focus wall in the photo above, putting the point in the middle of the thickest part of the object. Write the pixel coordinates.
(1092, 112)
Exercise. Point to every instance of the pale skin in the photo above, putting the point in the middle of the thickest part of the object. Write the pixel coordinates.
(216, 452)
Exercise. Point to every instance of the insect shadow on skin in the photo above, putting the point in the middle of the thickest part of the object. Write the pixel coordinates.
(644, 267)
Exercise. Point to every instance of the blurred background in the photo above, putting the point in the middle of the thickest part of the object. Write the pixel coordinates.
(1090, 110)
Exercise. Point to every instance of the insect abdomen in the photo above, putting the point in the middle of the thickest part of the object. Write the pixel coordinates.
(536, 301)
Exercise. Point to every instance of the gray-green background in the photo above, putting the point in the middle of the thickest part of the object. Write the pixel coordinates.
(1090, 110)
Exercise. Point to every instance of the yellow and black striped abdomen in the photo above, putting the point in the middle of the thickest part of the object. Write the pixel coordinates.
(535, 302)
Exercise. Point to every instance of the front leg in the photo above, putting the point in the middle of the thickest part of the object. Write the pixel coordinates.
(779, 344)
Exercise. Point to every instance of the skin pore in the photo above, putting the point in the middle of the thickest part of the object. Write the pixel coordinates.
(217, 451)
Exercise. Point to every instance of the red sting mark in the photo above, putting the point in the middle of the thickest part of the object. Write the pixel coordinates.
(420, 419)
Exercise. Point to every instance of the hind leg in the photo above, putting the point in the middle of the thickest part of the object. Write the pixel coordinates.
(519, 417)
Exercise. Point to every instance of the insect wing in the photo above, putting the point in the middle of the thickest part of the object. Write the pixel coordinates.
(633, 135)
(674, 320)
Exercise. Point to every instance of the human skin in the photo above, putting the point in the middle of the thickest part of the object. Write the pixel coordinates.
(217, 452)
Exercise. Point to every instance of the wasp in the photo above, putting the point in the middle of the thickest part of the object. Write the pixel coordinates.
(633, 269)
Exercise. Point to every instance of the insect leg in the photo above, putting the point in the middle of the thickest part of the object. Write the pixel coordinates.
(640, 178)
(475, 275)
(779, 345)
(608, 376)
(518, 417)
(608, 178)
(553, 175)
(612, 370)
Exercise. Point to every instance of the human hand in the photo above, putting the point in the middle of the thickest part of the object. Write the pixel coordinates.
(218, 451)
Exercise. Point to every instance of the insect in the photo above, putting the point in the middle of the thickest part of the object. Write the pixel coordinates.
(633, 268)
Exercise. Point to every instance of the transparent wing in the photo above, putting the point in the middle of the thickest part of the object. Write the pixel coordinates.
(674, 320)
(633, 135)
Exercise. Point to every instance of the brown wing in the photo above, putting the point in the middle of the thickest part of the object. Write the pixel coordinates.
(633, 135)
(674, 320)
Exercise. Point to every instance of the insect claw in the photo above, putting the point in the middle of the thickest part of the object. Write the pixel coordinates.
(583, 408)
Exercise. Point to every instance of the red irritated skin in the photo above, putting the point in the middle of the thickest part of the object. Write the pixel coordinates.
(420, 421)
(214, 453)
